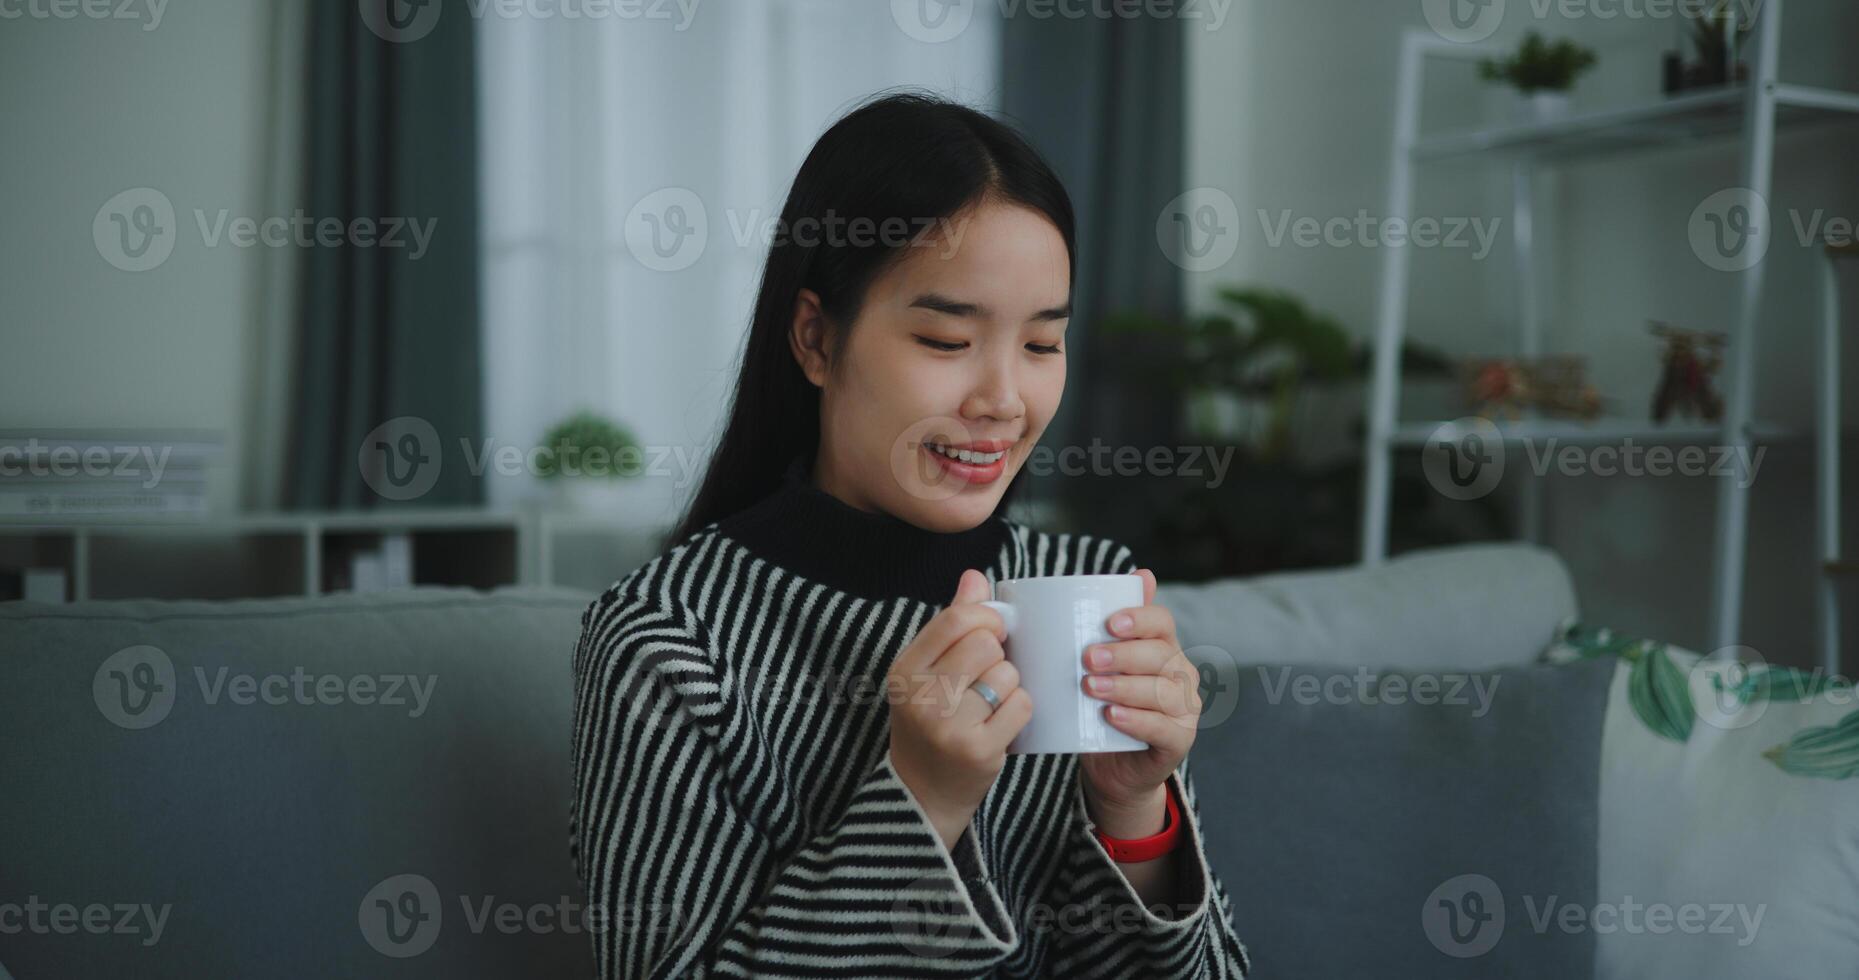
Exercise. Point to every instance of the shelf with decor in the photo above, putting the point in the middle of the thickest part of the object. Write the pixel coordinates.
(1596, 432)
(1746, 113)
(1690, 118)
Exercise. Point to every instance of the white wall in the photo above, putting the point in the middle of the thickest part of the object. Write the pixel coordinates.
(1291, 106)
(90, 108)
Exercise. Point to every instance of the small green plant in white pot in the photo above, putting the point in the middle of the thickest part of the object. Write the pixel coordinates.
(586, 457)
(1542, 73)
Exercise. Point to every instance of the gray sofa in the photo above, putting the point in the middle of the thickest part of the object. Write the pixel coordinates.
(378, 785)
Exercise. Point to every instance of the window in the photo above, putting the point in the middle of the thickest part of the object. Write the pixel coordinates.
(690, 132)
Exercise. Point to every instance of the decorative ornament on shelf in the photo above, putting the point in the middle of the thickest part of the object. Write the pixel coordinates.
(1497, 387)
(1687, 380)
(1510, 386)
(1542, 74)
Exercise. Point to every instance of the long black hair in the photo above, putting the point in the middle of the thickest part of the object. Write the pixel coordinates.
(906, 155)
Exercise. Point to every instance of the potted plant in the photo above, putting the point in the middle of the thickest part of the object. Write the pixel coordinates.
(1542, 74)
(585, 456)
(1272, 386)
(1718, 35)
(1245, 372)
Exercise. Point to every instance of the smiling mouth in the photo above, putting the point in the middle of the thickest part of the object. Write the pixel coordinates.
(969, 456)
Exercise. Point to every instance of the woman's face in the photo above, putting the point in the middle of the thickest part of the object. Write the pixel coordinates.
(958, 349)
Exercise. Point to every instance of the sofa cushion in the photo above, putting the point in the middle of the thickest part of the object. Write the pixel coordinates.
(1353, 815)
(359, 785)
(1474, 607)
(1724, 856)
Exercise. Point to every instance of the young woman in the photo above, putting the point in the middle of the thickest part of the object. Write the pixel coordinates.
(791, 727)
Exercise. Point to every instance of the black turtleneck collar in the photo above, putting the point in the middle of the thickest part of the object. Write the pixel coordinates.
(819, 537)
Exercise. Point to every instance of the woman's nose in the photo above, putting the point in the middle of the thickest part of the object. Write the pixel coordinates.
(996, 393)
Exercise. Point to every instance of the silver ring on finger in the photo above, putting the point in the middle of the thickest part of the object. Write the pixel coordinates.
(988, 694)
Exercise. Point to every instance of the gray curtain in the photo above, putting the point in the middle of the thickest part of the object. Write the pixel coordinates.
(387, 332)
(1101, 99)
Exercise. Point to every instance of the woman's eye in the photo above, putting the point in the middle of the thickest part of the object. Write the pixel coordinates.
(945, 345)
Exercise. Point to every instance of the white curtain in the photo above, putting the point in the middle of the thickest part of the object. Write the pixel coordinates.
(584, 119)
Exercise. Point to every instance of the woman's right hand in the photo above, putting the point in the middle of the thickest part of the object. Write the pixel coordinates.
(947, 743)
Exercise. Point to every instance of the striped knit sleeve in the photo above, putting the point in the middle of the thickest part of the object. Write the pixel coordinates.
(692, 881)
(1194, 938)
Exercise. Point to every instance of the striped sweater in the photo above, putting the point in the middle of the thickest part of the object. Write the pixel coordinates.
(736, 812)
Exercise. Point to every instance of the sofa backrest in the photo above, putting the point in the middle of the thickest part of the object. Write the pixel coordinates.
(289, 786)
(297, 781)
(1466, 608)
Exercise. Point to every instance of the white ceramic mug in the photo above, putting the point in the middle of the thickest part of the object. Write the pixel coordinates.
(1050, 622)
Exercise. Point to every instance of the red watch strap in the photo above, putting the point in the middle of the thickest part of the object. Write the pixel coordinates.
(1146, 848)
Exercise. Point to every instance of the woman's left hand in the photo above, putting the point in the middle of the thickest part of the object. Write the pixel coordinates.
(1154, 695)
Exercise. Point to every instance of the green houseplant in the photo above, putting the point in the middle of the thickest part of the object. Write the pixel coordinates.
(1541, 72)
(1257, 353)
(1286, 367)
(585, 455)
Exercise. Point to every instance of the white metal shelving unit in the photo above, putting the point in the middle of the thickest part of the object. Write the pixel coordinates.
(1833, 564)
(1750, 112)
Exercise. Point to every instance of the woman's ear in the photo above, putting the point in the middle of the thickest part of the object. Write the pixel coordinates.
(807, 336)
